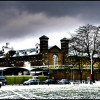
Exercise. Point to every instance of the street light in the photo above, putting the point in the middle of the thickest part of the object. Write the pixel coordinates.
(91, 81)
(92, 72)
(71, 74)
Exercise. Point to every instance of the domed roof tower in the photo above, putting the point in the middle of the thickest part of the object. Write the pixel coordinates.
(43, 43)
(64, 45)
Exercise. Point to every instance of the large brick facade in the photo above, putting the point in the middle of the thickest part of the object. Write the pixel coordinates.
(46, 56)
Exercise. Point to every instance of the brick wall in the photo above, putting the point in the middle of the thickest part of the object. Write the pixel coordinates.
(68, 74)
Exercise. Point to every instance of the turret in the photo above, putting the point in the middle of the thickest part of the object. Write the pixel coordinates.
(64, 45)
(43, 43)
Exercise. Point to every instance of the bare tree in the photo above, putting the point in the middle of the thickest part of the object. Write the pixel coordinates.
(87, 43)
(75, 61)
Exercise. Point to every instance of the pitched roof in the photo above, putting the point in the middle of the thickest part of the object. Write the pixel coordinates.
(64, 39)
(43, 37)
(54, 47)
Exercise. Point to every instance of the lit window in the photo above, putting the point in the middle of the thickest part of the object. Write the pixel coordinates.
(55, 60)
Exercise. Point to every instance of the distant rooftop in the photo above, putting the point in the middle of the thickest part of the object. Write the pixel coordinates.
(31, 51)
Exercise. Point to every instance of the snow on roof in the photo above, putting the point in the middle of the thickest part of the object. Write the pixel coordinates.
(33, 53)
(25, 52)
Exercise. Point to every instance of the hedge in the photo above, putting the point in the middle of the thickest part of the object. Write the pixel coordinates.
(17, 79)
(43, 77)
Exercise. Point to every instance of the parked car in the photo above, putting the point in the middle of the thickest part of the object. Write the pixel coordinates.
(31, 82)
(3, 80)
(50, 81)
(64, 81)
(76, 82)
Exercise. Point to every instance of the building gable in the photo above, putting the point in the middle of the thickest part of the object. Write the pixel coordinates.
(55, 49)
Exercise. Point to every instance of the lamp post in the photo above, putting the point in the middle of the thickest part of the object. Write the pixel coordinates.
(96, 76)
(91, 56)
(71, 74)
(81, 76)
(91, 81)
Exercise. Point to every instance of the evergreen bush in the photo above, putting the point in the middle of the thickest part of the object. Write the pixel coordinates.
(17, 79)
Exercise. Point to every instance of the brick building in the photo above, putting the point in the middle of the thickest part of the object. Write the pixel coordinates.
(42, 55)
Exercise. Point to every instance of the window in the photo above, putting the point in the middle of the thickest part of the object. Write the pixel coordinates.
(55, 60)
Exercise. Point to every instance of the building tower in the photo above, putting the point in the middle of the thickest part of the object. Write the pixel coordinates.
(44, 49)
(64, 49)
(64, 45)
(43, 44)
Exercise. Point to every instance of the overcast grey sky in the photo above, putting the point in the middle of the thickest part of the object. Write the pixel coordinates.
(23, 22)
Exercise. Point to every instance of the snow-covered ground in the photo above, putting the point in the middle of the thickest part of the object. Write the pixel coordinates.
(77, 91)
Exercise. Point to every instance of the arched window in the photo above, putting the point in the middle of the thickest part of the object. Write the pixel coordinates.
(55, 60)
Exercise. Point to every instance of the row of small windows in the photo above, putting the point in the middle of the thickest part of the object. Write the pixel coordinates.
(21, 58)
(22, 61)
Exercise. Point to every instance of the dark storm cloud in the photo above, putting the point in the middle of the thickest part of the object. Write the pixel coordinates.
(20, 18)
(55, 8)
